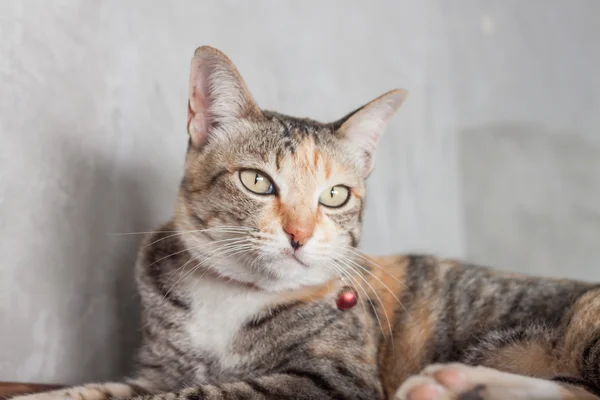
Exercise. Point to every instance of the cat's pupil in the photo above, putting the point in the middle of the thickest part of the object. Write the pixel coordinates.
(332, 192)
(256, 179)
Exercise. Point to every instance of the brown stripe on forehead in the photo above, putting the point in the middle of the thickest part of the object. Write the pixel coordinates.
(322, 160)
(279, 158)
(288, 140)
(327, 163)
(316, 157)
(306, 154)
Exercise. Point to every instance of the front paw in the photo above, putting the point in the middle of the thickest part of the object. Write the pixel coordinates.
(464, 382)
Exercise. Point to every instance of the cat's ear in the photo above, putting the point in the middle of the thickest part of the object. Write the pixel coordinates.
(217, 94)
(362, 128)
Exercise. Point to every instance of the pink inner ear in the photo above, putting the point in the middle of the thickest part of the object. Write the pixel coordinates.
(198, 130)
(198, 118)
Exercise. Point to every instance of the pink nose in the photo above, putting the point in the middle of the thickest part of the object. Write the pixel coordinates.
(299, 232)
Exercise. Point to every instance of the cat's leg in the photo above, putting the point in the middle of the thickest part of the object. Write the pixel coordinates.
(292, 384)
(537, 362)
(464, 382)
(93, 391)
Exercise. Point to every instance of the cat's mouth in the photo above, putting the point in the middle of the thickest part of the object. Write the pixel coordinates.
(293, 255)
(298, 260)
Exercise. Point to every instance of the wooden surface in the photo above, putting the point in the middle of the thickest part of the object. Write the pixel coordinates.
(10, 389)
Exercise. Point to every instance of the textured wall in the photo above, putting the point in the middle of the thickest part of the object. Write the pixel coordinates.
(527, 93)
(92, 138)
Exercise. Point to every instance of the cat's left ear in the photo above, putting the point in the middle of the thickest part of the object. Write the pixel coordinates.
(362, 128)
(218, 95)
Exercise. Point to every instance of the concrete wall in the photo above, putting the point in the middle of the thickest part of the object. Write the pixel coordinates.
(494, 157)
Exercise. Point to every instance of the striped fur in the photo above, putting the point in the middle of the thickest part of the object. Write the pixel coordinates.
(235, 308)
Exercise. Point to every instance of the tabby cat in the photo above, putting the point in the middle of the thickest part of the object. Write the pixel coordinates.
(241, 289)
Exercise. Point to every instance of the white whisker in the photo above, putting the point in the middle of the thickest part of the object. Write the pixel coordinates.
(181, 231)
(371, 261)
(348, 275)
(199, 231)
(220, 253)
(378, 298)
(344, 274)
(373, 275)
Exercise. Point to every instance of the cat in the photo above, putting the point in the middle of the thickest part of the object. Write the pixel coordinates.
(241, 289)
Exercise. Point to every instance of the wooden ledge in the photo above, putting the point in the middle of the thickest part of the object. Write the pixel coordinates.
(11, 389)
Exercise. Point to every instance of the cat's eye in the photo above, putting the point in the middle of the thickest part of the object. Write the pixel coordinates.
(335, 196)
(256, 182)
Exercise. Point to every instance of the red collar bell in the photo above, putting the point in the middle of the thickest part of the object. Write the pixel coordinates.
(347, 299)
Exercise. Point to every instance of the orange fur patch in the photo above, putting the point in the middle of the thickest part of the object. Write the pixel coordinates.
(309, 294)
(583, 327)
(528, 358)
(409, 342)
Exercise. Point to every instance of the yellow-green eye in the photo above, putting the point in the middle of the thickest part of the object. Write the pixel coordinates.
(256, 182)
(335, 196)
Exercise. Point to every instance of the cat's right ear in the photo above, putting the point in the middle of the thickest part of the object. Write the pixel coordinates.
(217, 94)
(362, 128)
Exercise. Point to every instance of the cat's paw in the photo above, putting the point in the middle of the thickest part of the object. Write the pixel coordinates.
(464, 382)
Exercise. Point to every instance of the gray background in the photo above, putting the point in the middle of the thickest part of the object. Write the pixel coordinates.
(495, 157)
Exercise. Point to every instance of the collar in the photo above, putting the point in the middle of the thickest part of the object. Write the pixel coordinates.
(346, 299)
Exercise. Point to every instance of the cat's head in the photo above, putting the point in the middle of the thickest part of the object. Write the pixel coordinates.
(268, 199)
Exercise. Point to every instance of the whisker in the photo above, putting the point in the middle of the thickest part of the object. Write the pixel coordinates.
(175, 284)
(371, 261)
(378, 298)
(207, 269)
(380, 281)
(167, 256)
(198, 231)
(348, 275)
(374, 276)
(358, 253)
(231, 241)
(187, 249)
(175, 270)
(225, 249)
(344, 274)
(181, 231)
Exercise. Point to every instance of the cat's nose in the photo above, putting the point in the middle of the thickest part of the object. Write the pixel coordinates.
(299, 233)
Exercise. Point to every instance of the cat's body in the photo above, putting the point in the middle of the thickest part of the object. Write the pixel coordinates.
(232, 332)
(447, 312)
(239, 291)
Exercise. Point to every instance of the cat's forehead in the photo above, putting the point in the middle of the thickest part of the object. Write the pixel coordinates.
(276, 137)
(301, 152)
(292, 132)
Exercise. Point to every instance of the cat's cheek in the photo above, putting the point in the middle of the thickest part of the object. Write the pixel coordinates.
(330, 235)
(268, 221)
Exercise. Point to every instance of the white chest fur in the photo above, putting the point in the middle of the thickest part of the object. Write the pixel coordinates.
(219, 309)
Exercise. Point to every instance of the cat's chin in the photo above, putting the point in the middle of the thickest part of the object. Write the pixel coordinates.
(291, 273)
(278, 275)
(283, 285)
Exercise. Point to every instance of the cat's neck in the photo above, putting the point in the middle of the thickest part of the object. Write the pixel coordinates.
(234, 286)
(231, 282)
